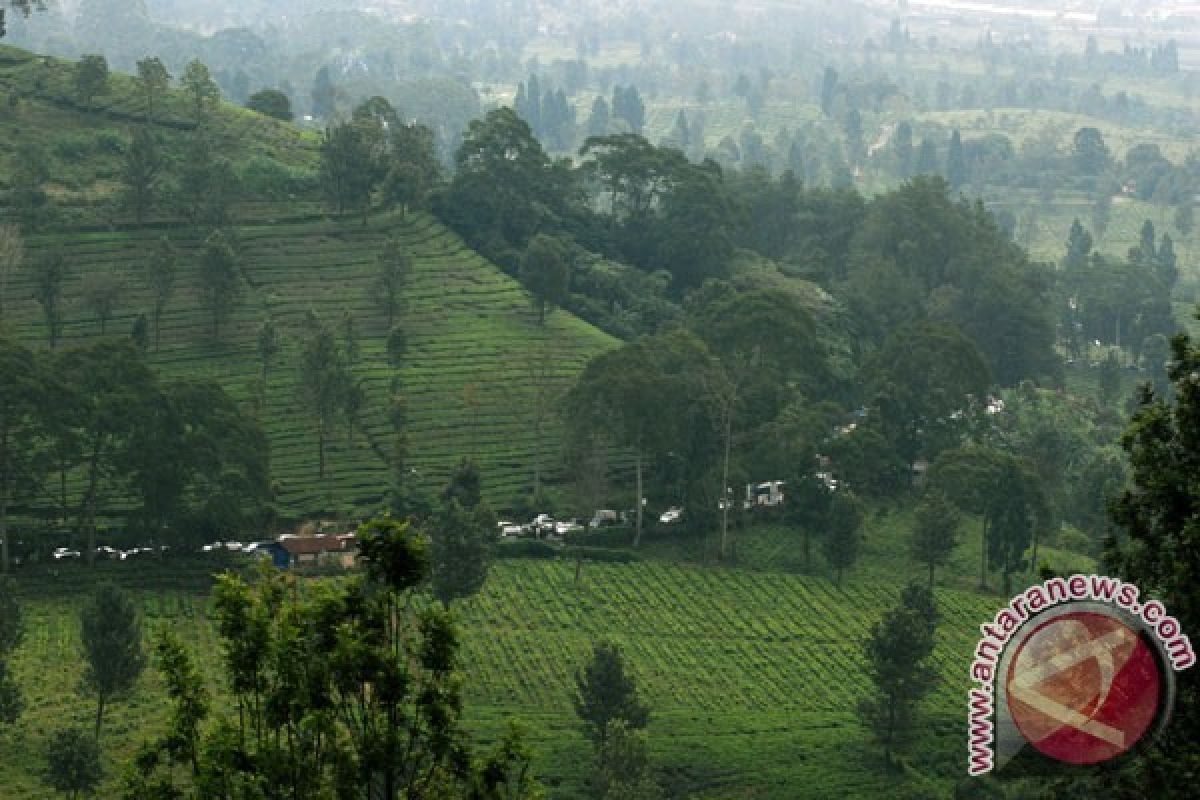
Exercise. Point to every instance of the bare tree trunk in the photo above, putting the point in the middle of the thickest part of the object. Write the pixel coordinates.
(726, 501)
(1033, 558)
(99, 715)
(983, 555)
(637, 536)
(320, 450)
(5, 482)
(89, 503)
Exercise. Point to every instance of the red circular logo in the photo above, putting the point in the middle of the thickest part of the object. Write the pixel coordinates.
(1084, 687)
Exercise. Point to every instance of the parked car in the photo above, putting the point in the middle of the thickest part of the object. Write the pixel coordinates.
(671, 515)
(542, 524)
(565, 526)
(511, 528)
(65, 552)
(605, 517)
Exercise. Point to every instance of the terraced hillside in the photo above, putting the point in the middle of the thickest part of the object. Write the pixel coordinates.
(85, 142)
(753, 677)
(476, 366)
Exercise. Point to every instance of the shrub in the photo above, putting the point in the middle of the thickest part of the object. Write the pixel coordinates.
(110, 142)
(266, 178)
(72, 147)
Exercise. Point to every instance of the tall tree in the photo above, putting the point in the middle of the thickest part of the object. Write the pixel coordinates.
(935, 532)
(843, 532)
(347, 168)
(546, 273)
(101, 292)
(897, 652)
(606, 693)
(322, 382)
(622, 766)
(201, 90)
(152, 80)
(380, 679)
(31, 169)
(461, 552)
(394, 266)
(220, 285)
(112, 646)
(140, 173)
(109, 387)
(1158, 514)
(50, 273)
(268, 343)
(91, 78)
(73, 764)
(160, 272)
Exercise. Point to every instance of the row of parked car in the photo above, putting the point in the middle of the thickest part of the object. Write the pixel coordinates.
(107, 552)
(541, 526)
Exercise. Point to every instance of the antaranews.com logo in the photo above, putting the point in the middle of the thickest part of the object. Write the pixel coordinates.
(1077, 668)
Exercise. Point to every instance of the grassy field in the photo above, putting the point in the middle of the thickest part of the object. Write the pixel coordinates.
(753, 676)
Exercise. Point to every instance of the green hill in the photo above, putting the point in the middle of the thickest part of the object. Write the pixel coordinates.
(476, 356)
(753, 677)
(38, 104)
(479, 371)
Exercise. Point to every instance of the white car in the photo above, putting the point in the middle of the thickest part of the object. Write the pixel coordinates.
(563, 527)
(511, 529)
(542, 523)
(672, 514)
(65, 552)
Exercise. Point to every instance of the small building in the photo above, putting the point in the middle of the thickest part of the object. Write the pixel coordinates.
(768, 493)
(313, 551)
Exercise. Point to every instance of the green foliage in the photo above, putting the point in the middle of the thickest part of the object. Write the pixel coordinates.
(91, 77)
(843, 532)
(897, 652)
(50, 273)
(1157, 515)
(926, 378)
(101, 293)
(152, 81)
(271, 102)
(462, 538)
(936, 524)
(73, 763)
(395, 265)
(322, 382)
(30, 170)
(351, 665)
(112, 646)
(201, 90)
(622, 765)
(546, 272)
(606, 694)
(140, 173)
(207, 185)
(160, 275)
(12, 630)
(220, 284)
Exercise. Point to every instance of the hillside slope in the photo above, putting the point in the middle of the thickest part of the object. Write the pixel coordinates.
(85, 143)
(477, 359)
(480, 374)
